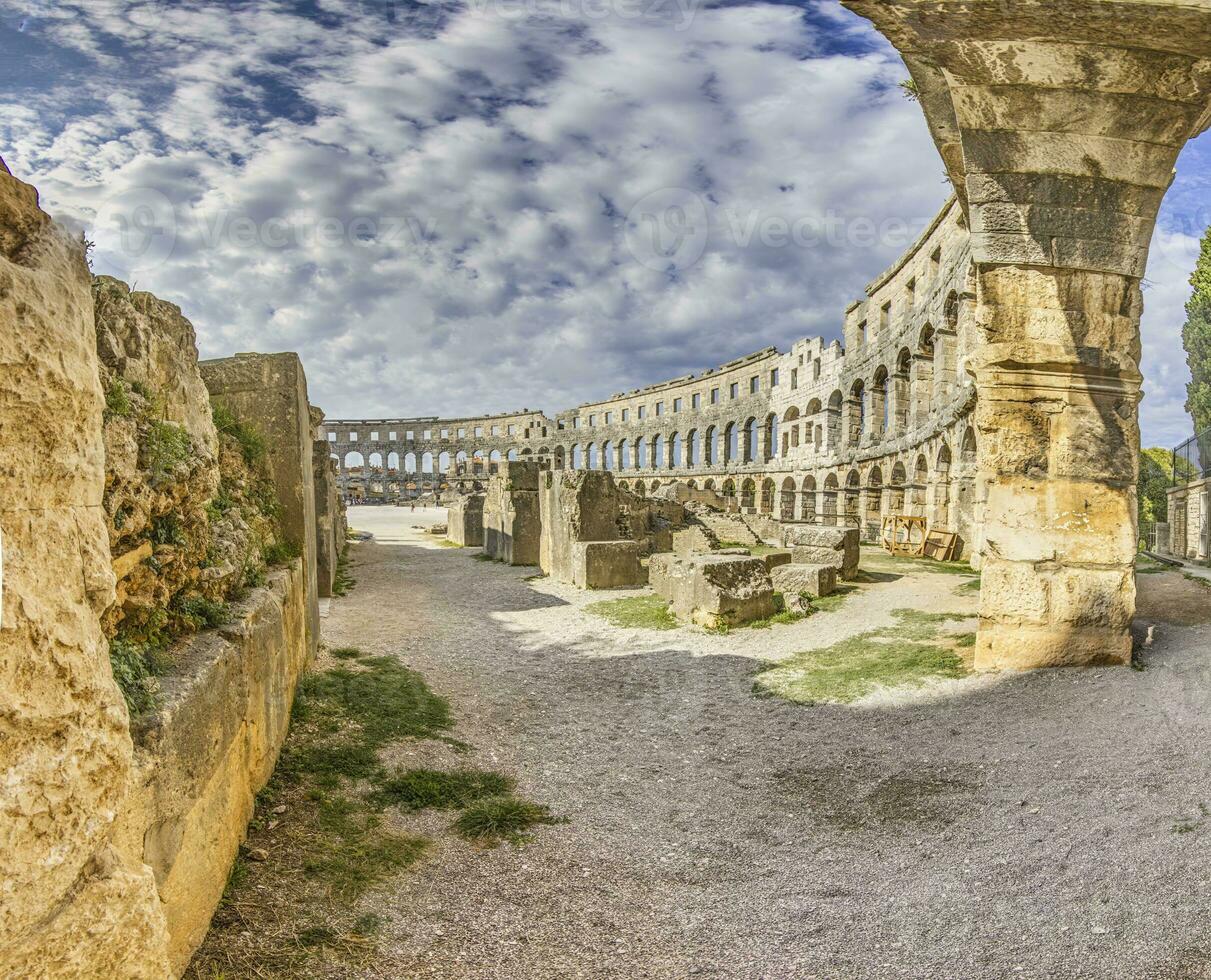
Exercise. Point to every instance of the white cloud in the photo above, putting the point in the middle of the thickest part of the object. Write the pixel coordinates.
(477, 169)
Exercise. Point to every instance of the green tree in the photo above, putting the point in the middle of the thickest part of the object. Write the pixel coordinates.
(1156, 476)
(1196, 338)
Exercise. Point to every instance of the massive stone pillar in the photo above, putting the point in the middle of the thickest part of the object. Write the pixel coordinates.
(1060, 122)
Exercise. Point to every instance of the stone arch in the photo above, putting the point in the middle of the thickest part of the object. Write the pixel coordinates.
(786, 499)
(594, 460)
(855, 407)
(880, 402)
(607, 455)
(831, 487)
(675, 454)
(558, 457)
(376, 461)
(767, 496)
(657, 453)
(748, 493)
(514, 455)
(832, 428)
(410, 463)
(641, 449)
(426, 463)
(443, 461)
(392, 462)
(577, 457)
(354, 460)
(624, 454)
(752, 440)
(807, 501)
(693, 448)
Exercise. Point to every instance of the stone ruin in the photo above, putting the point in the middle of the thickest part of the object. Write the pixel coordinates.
(158, 507)
(511, 521)
(465, 520)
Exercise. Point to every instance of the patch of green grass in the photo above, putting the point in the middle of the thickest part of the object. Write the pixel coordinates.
(383, 703)
(342, 581)
(635, 612)
(251, 442)
(322, 822)
(420, 789)
(878, 560)
(905, 655)
(345, 653)
(1205, 583)
(970, 587)
(447, 543)
(834, 600)
(506, 817)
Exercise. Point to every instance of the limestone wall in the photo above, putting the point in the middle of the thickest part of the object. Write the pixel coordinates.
(73, 905)
(270, 392)
(128, 515)
(203, 756)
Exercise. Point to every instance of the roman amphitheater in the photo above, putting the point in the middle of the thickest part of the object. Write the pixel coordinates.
(826, 433)
(642, 696)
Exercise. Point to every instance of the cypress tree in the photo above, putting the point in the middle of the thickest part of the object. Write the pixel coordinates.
(1196, 338)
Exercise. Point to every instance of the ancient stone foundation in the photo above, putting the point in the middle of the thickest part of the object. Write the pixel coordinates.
(713, 590)
(837, 547)
(203, 756)
(512, 526)
(583, 518)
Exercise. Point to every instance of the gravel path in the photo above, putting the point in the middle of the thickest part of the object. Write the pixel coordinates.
(1045, 825)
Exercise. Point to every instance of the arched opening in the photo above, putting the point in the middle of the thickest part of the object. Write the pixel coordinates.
(880, 402)
(874, 502)
(641, 453)
(512, 455)
(855, 408)
(769, 448)
(426, 463)
(443, 462)
(920, 478)
(748, 493)
(767, 496)
(790, 429)
(392, 462)
(902, 389)
(786, 500)
(657, 454)
(731, 443)
(923, 382)
(559, 457)
(607, 455)
(751, 437)
(853, 499)
(675, 451)
(830, 499)
(577, 458)
(624, 454)
(640, 488)
(376, 462)
(836, 402)
(710, 452)
(807, 499)
(355, 461)
(693, 448)
(594, 460)
(895, 497)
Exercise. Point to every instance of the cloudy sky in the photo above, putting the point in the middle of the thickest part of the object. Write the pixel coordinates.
(445, 207)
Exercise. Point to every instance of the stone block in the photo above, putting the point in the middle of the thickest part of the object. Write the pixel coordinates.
(465, 520)
(575, 507)
(815, 580)
(816, 544)
(607, 565)
(512, 525)
(774, 559)
(713, 590)
(268, 392)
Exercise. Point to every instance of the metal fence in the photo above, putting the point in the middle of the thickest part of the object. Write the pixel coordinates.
(1192, 459)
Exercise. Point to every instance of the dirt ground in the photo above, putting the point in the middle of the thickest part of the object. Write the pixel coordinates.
(1053, 824)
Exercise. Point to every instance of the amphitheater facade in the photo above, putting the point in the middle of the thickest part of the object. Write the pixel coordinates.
(823, 433)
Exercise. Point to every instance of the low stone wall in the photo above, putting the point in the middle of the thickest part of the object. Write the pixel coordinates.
(465, 521)
(201, 759)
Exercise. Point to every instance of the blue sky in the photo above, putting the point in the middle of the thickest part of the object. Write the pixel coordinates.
(435, 203)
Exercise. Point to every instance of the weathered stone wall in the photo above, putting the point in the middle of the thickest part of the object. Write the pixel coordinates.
(465, 521)
(512, 524)
(331, 524)
(72, 905)
(201, 758)
(269, 392)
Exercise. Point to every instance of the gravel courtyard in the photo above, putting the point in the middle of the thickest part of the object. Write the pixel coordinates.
(1055, 824)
